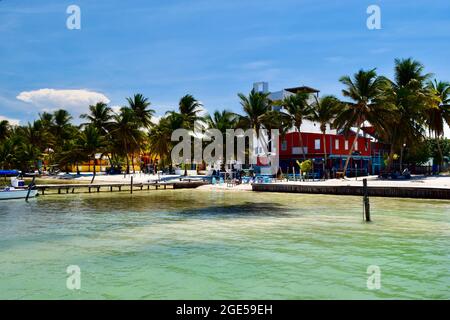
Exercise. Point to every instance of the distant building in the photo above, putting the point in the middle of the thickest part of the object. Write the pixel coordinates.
(367, 156)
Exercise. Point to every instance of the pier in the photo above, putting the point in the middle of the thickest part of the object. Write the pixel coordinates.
(116, 187)
(372, 191)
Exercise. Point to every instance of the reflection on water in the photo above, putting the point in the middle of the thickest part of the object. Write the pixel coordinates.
(201, 245)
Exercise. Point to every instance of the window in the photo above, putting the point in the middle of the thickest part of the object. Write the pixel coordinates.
(336, 144)
(284, 145)
(317, 144)
(346, 144)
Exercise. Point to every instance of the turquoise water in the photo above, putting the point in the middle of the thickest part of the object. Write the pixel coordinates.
(202, 245)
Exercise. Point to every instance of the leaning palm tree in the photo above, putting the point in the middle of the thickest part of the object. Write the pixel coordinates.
(297, 109)
(439, 111)
(324, 111)
(139, 104)
(363, 88)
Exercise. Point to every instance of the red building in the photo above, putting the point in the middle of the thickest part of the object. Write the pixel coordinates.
(337, 150)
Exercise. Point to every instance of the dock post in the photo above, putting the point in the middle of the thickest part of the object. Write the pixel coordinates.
(30, 187)
(131, 189)
(366, 201)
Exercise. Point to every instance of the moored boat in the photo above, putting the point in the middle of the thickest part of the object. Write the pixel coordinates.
(13, 193)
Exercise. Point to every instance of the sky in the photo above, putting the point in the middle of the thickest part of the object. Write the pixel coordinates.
(210, 49)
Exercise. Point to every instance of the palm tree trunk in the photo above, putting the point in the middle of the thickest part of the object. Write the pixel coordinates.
(93, 177)
(441, 155)
(352, 148)
(300, 138)
(325, 152)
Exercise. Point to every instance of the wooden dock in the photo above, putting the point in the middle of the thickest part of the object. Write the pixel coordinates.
(115, 187)
(392, 192)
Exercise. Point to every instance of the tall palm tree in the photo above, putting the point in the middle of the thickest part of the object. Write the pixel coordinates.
(324, 111)
(363, 88)
(410, 99)
(439, 112)
(126, 133)
(139, 104)
(255, 106)
(99, 116)
(297, 109)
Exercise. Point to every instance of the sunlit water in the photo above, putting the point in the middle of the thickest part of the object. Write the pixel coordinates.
(203, 245)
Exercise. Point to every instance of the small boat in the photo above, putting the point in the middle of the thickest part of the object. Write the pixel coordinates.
(13, 193)
(18, 190)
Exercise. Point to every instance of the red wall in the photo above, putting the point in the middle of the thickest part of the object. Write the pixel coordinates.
(292, 139)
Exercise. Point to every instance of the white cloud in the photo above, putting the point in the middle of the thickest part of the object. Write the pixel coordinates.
(13, 122)
(75, 101)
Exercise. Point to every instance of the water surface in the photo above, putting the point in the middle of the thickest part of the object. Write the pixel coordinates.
(188, 244)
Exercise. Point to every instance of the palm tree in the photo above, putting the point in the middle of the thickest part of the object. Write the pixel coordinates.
(221, 120)
(188, 108)
(362, 89)
(159, 139)
(324, 111)
(74, 153)
(92, 142)
(297, 109)
(439, 112)
(7, 154)
(410, 99)
(4, 130)
(255, 107)
(138, 103)
(126, 133)
(99, 116)
(61, 126)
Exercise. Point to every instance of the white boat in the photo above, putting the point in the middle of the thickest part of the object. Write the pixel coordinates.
(13, 193)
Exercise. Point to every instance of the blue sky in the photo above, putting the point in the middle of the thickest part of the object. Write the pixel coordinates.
(211, 49)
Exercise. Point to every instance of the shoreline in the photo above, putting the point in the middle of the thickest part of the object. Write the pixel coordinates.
(424, 187)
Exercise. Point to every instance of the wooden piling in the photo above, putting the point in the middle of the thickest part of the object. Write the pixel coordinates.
(30, 187)
(131, 185)
(366, 201)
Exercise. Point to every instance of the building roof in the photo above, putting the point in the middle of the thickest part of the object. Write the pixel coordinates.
(302, 89)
